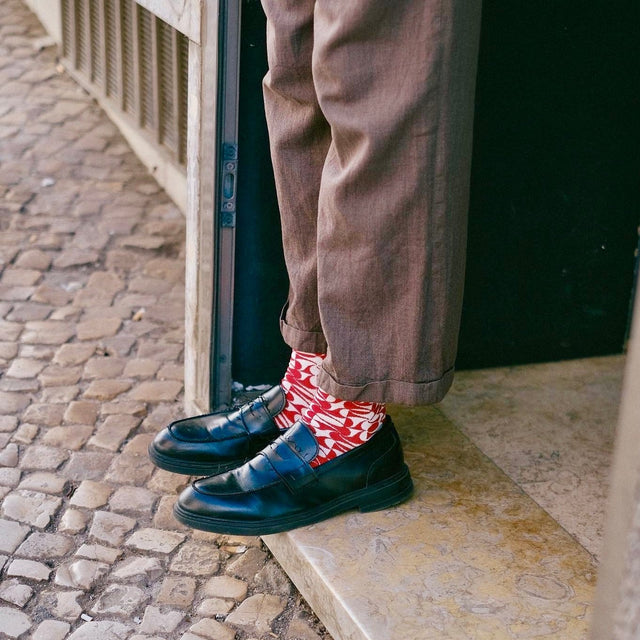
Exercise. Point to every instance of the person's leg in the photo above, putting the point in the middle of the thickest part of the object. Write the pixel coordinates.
(395, 80)
(299, 137)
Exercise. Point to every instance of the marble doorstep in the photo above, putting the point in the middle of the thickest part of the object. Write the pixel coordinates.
(550, 427)
(470, 556)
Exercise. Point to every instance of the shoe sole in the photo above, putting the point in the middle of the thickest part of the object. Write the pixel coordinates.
(381, 495)
(191, 468)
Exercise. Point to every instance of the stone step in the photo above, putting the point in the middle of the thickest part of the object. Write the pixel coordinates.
(469, 556)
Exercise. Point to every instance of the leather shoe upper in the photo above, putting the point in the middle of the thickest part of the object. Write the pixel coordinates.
(279, 490)
(215, 442)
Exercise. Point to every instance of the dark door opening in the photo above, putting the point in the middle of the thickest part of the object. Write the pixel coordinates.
(555, 201)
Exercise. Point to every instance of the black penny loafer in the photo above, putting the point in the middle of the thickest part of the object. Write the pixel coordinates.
(216, 442)
(278, 490)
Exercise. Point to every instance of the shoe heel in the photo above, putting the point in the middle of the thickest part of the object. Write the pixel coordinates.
(393, 491)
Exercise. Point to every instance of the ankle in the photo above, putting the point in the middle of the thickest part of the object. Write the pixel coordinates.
(299, 384)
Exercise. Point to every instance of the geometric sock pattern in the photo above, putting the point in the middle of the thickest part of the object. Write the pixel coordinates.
(341, 425)
(299, 384)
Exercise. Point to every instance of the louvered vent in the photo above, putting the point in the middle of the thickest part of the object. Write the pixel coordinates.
(125, 54)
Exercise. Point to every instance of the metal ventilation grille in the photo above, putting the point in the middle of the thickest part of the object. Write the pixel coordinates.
(124, 53)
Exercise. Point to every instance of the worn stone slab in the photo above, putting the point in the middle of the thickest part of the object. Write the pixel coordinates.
(196, 560)
(25, 368)
(87, 465)
(130, 469)
(111, 527)
(15, 592)
(156, 620)
(33, 259)
(29, 569)
(212, 607)
(137, 499)
(9, 455)
(155, 540)
(31, 507)
(72, 437)
(81, 412)
(99, 553)
(157, 391)
(177, 591)
(48, 415)
(52, 332)
(59, 376)
(492, 562)
(41, 457)
(91, 494)
(106, 389)
(11, 535)
(101, 630)
(212, 630)
(139, 569)
(61, 604)
(13, 402)
(44, 482)
(226, 587)
(247, 564)
(82, 574)
(73, 521)
(45, 545)
(14, 623)
(114, 431)
(104, 367)
(61, 394)
(73, 354)
(98, 328)
(51, 630)
(119, 599)
(257, 612)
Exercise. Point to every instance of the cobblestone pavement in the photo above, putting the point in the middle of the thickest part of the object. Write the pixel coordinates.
(91, 331)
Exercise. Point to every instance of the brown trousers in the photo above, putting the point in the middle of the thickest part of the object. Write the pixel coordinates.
(369, 105)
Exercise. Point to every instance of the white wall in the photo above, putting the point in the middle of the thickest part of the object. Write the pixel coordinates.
(49, 13)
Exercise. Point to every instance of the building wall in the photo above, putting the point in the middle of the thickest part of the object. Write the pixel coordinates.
(48, 12)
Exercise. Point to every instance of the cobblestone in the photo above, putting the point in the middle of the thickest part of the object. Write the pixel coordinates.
(155, 540)
(113, 432)
(177, 591)
(30, 507)
(41, 457)
(81, 573)
(157, 621)
(73, 521)
(111, 527)
(91, 347)
(139, 569)
(51, 630)
(29, 569)
(120, 599)
(257, 612)
(14, 623)
(81, 412)
(212, 630)
(91, 494)
(99, 553)
(43, 481)
(45, 545)
(11, 535)
(15, 592)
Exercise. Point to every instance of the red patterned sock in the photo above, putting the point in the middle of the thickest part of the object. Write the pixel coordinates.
(340, 425)
(299, 384)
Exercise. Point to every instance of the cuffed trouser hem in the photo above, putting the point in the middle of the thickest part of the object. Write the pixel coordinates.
(307, 341)
(396, 391)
